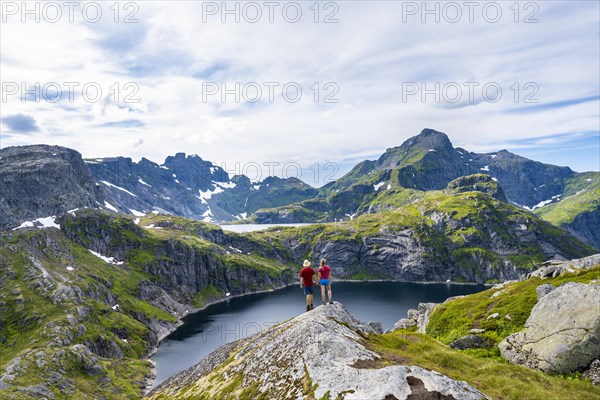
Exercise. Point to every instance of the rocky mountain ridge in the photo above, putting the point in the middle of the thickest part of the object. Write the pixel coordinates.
(194, 188)
(429, 162)
(191, 187)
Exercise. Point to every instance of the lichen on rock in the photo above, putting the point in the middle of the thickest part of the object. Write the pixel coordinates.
(562, 334)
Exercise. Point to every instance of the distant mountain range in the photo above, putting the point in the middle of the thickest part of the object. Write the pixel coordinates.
(40, 181)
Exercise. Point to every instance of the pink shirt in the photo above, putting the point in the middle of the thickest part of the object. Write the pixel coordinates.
(324, 271)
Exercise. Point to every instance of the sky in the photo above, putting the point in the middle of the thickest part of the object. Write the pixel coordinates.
(301, 86)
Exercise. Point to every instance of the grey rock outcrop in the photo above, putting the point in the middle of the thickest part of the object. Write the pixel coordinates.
(552, 269)
(477, 183)
(562, 334)
(41, 181)
(469, 342)
(543, 290)
(593, 372)
(332, 360)
(418, 318)
(377, 327)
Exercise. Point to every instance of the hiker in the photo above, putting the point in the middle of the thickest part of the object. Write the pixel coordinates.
(307, 276)
(325, 280)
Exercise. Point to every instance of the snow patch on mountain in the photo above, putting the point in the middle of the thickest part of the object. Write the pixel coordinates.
(539, 205)
(140, 180)
(207, 216)
(377, 186)
(118, 188)
(44, 222)
(110, 260)
(110, 206)
(235, 249)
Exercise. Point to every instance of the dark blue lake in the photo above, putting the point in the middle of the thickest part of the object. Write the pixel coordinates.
(221, 323)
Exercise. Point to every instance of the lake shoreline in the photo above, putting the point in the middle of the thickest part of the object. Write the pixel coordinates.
(151, 377)
(150, 381)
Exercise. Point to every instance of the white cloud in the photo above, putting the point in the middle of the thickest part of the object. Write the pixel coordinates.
(369, 54)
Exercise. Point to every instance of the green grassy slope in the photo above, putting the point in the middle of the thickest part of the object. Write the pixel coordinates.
(59, 333)
(46, 309)
(582, 194)
(484, 368)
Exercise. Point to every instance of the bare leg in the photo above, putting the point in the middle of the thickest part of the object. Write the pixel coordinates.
(323, 293)
(308, 299)
(329, 293)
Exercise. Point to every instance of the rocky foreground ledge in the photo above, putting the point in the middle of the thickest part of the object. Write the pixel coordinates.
(317, 354)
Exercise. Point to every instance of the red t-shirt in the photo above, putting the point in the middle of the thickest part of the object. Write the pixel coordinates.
(306, 275)
(324, 271)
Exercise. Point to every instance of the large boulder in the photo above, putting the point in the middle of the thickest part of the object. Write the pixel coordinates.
(562, 334)
(320, 352)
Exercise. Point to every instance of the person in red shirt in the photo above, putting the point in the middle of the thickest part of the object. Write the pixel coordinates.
(307, 276)
(325, 280)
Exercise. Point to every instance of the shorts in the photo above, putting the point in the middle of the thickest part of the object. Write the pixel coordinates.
(309, 290)
(325, 282)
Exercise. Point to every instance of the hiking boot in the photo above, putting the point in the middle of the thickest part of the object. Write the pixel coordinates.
(312, 307)
(307, 308)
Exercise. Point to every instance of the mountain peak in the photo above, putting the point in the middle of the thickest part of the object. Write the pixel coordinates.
(429, 139)
(182, 157)
(432, 132)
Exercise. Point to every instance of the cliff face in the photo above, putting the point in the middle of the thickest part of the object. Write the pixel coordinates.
(183, 257)
(586, 226)
(320, 354)
(41, 181)
(469, 237)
